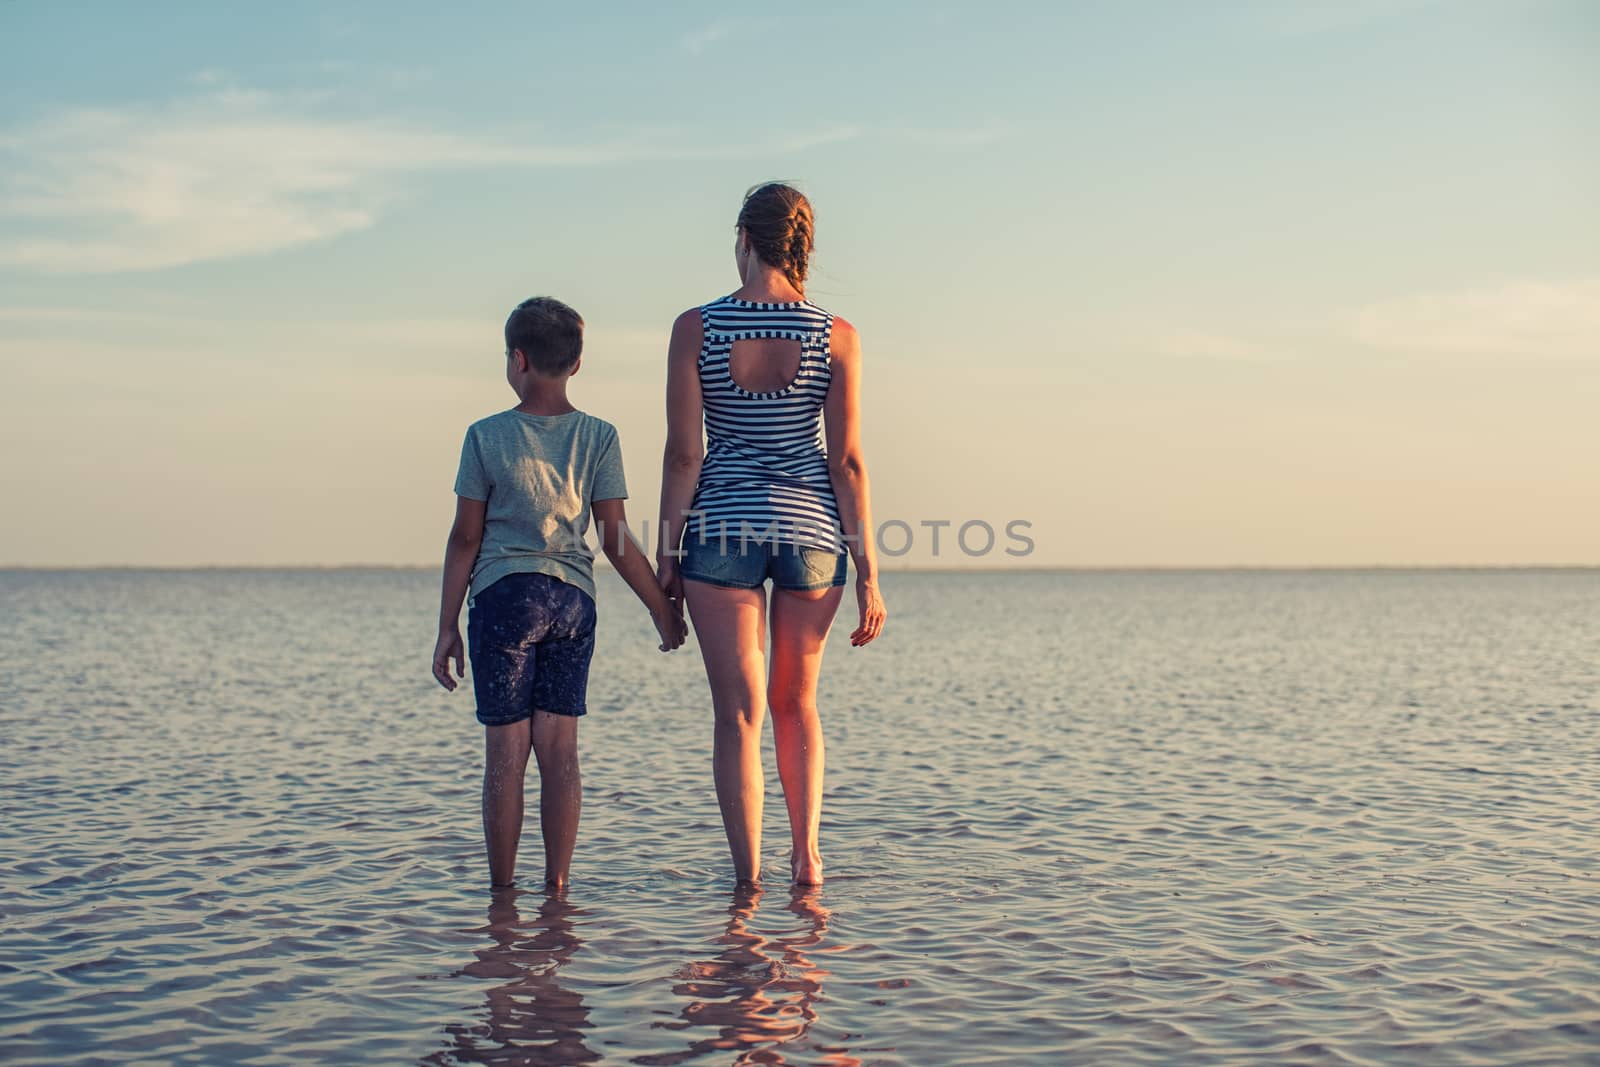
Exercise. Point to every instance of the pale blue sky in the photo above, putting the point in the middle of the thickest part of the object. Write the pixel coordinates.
(1179, 283)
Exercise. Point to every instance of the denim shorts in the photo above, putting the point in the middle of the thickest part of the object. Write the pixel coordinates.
(530, 638)
(745, 564)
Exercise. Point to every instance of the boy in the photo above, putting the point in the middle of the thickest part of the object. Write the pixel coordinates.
(528, 481)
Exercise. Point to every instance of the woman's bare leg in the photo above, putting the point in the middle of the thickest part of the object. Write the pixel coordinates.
(800, 622)
(555, 745)
(730, 625)
(505, 760)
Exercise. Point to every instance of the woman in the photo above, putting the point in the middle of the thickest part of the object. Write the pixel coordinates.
(777, 492)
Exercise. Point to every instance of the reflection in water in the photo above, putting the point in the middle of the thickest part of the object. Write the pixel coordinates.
(531, 1019)
(757, 994)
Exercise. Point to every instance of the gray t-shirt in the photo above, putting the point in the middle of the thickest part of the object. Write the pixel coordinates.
(539, 474)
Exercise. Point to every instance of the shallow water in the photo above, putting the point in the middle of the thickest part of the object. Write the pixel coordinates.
(1207, 818)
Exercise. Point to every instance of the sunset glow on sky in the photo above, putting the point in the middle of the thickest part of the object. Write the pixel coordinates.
(1179, 284)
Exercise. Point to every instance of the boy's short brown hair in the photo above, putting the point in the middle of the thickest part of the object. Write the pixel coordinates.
(548, 332)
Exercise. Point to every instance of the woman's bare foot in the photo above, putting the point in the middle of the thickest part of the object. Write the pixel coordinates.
(807, 871)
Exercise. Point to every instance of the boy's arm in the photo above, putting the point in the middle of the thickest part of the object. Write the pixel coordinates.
(460, 553)
(617, 542)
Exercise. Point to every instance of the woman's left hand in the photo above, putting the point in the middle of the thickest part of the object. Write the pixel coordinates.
(873, 612)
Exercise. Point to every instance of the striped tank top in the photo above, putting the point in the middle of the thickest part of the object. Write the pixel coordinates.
(766, 464)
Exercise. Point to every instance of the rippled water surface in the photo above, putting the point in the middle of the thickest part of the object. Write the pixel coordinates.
(1208, 818)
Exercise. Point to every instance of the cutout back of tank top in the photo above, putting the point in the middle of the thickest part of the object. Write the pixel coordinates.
(764, 364)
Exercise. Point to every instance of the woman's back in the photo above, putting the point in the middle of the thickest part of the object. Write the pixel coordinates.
(766, 463)
(764, 459)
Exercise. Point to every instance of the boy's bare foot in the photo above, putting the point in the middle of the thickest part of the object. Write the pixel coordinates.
(555, 885)
(806, 871)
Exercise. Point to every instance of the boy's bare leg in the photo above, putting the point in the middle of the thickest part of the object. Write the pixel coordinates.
(505, 760)
(731, 627)
(555, 745)
(800, 622)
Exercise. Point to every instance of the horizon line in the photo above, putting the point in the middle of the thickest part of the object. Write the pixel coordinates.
(1112, 568)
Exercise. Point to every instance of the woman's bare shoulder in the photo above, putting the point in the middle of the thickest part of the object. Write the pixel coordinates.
(687, 332)
(843, 339)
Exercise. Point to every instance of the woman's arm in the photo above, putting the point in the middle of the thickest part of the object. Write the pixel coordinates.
(847, 468)
(460, 553)
(685, 451)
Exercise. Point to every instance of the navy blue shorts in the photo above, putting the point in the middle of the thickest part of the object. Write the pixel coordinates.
(530, 638)
(745, 564)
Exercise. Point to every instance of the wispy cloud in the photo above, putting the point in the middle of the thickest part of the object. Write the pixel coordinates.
(239, 173)
(1546, 319)
(698, 40)
(720, 31)
(1551, 319)
(78, 316)
(1193, 344)
(23, 328)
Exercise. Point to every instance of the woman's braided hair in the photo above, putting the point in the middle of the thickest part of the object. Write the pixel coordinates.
(777, 219)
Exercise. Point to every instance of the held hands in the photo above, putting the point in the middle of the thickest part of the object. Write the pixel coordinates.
(873, 612)
(448, 648)
(671, 628)
(670, 624)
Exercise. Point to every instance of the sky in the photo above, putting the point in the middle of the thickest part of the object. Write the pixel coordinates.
(1175, 284)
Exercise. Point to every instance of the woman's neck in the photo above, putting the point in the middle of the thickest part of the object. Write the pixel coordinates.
(767, 285)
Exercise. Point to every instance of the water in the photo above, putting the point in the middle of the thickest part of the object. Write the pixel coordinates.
(1210, 818)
